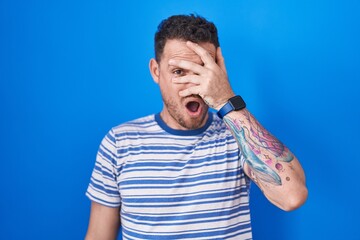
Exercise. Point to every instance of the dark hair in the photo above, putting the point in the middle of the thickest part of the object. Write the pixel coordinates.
(184, 27)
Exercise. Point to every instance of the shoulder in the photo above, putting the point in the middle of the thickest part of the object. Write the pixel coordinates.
(218, 126)
(126, 136)
(136, 125)
(135, 132)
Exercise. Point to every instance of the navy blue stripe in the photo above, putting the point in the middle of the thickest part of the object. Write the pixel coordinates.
(167, 219)
(104, 171)
(144, 176)
(160, 146)
(241, 233)
(111, 137)
(146, 124)
(164, 164)
(154, 147)
(103, 188)
(167, 223)
(137, 122)
(151, 135)
(176, 169)
(164, 149)
(136, 135)
(175, 154)
(223, 175)
(187, 194)
(183, 185)
(187, 235)
(105, 155)
(235, 235)
(185, 204)
(172, 131)
(183, 198)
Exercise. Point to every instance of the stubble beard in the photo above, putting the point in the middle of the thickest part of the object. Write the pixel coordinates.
(175, 112)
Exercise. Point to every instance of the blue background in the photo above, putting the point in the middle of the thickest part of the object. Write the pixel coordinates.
(71, 70)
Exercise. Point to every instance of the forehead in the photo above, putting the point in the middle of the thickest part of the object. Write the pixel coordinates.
(177, 49)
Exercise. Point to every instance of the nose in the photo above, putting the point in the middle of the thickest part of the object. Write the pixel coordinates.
(189, 74)
(185, 86)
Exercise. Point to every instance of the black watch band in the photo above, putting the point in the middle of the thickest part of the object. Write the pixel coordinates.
(234, 104)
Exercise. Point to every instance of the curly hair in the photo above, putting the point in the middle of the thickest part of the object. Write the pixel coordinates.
(185, 27)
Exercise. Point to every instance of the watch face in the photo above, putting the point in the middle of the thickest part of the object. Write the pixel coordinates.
(237, 102)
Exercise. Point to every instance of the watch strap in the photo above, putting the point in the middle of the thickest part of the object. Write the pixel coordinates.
(233, 104)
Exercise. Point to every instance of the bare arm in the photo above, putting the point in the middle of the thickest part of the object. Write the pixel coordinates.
(104, 222)
(268, 162)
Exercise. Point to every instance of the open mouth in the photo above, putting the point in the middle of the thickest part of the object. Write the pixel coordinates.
(193, 106)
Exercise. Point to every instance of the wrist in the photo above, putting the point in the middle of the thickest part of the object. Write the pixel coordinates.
(223, 101)
(235, 103)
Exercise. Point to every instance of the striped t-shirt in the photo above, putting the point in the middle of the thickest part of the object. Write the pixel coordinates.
(173, 184)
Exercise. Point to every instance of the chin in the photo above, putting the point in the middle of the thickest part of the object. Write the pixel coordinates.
(193, 123)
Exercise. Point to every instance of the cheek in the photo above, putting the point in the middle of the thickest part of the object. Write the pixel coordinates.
(168, 86)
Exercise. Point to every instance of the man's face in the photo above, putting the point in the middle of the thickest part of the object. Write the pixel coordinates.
(179, 112)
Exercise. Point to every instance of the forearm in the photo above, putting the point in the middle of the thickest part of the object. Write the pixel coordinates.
(268, 162)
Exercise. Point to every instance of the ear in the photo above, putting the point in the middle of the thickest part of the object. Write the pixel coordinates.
(154, 69)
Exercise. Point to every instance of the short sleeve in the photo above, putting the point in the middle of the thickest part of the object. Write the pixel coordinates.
(103, 187)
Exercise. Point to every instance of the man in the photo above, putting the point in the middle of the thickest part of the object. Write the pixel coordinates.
(185, 173)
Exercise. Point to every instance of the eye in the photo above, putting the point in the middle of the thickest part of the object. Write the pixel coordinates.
(178, 72)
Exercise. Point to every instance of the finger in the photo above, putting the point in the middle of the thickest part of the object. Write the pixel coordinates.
(220, 59)
(187, 65)
(195, 90)
(205, 56)
(195, 79)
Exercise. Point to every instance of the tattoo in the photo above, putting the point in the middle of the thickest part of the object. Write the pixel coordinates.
(279, 167)
(291, 166)
(255, 141)
(268, 159)
(263, 139)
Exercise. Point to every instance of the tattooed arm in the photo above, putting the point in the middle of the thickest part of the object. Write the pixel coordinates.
(268, 162)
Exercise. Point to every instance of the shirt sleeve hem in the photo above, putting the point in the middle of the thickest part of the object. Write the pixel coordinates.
(102, 202)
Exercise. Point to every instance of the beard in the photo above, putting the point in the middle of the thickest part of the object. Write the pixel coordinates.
(178, 113)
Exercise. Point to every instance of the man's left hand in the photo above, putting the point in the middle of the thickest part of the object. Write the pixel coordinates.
(210, 80)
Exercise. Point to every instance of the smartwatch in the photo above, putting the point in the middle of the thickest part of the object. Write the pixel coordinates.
(234, 104)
